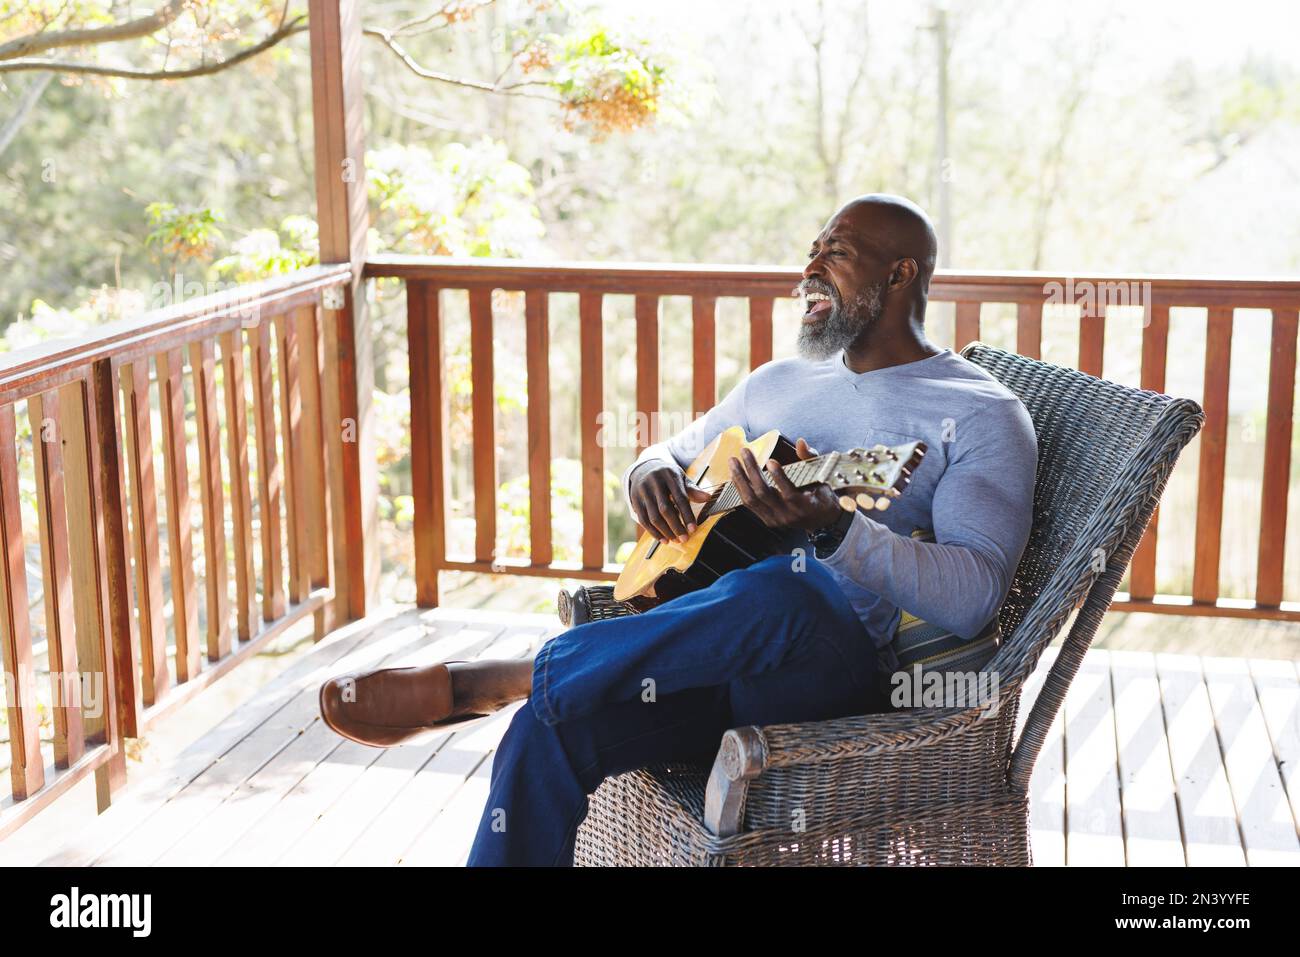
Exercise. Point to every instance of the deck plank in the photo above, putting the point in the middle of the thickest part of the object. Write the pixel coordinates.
(1210, 831)
(340, 825)
(422, 799)
(134, 807)
(241, 809)
(1095, 831)
(1047, 786)
(1278, 687)
(1268, 829)
(1152, 836)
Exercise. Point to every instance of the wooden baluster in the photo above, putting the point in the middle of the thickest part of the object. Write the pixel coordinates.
(203, 365)
(269, 476)
(291, 422)
(428, 439)
(760, 330)
(647, 368)
(125, 635)
(145, 538)
(483, 403)
(94, 477)
(591, 351)
(185, 611)
(1092, 339)
(241, 499)
(83, 469)
(967, 329)
(314, 510)
(1155, 350)
(27, 770)
(1277, 458)
(704, 390)
(1214, 446)
(1029, 329)
(60, 628)
(538, 349)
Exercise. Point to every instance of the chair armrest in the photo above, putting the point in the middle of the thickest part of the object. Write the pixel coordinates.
(745, 753)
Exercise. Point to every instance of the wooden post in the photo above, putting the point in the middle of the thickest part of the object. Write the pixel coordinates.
(339, 113)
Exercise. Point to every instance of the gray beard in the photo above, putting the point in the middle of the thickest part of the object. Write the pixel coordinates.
(843, 326)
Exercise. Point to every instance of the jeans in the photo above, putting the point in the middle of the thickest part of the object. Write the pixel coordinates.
(768, 644)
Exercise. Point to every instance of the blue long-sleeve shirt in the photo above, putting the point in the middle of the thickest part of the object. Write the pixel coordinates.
(974, 488)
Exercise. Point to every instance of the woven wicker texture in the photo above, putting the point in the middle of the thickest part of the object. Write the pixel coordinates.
(937, 786)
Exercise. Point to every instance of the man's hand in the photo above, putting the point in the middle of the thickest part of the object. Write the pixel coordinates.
(661, 500)
(783, 505)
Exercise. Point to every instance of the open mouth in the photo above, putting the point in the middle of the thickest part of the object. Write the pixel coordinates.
(818, 305)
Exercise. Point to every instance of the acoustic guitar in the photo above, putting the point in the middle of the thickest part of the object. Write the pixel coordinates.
(728, 536)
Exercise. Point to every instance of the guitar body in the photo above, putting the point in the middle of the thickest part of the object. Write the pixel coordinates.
(720, 543)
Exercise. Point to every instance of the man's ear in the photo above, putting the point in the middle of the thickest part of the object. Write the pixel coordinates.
(904, 274)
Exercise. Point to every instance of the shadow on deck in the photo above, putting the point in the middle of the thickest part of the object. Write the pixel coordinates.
(1161, 759)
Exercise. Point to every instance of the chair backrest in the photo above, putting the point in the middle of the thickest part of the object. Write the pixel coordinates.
(1105, 452)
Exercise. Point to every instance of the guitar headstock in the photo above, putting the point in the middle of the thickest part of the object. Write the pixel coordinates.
(871, 478)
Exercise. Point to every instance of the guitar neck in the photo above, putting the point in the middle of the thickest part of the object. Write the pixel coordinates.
(801, 473)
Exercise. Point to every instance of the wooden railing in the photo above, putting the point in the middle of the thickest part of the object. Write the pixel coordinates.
(1024, 299)
(108, 597)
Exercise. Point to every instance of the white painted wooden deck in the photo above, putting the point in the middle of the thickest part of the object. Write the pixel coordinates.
(1161, 759)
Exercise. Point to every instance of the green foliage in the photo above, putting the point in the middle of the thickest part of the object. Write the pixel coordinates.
(611, 86)
(183, 233)
(268, 252)
(461, 200)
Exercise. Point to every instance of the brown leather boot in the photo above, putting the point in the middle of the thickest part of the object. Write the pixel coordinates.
(393, 706)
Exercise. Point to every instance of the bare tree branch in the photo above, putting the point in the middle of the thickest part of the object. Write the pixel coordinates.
(298, 25)
(513, 89)
(25, 105)
(93, 69)
(128, 30)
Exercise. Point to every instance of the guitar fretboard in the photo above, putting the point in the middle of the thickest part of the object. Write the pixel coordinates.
(726, 497)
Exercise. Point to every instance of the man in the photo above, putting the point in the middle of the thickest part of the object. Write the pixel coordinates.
(791, 638)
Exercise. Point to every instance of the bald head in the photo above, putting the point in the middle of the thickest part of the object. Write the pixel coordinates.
(897, 227)
(868, 277)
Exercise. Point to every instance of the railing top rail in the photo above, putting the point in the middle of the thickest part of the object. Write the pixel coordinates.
(29, 367)
(747, 280)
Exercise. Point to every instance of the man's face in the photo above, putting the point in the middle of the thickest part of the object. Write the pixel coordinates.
(843, 287)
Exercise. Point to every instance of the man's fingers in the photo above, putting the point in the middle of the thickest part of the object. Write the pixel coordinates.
(653, 521)
(668, 509)
(684, 506)
(780, 479)
(697, 494)
(804, 450)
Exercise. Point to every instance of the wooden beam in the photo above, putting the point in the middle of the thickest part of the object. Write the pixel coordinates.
(538, 350)
(428, 439)
(704, 354)
(338, 111)
(1155, 350)
(155, 678)
(591, 352)
(760, 330)
(180, 552)
(1277, 457)
(60, 630)
(203, 368)
(484, 405)
(647, 367)
(1213, 457)
(241, 499)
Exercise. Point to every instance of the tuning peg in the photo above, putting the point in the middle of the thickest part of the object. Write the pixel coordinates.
(866, 501)
(878, 477)
(856, 455)
(882, 503)
(848, 504)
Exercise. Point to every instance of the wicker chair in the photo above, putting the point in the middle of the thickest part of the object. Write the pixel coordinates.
(926, 786)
